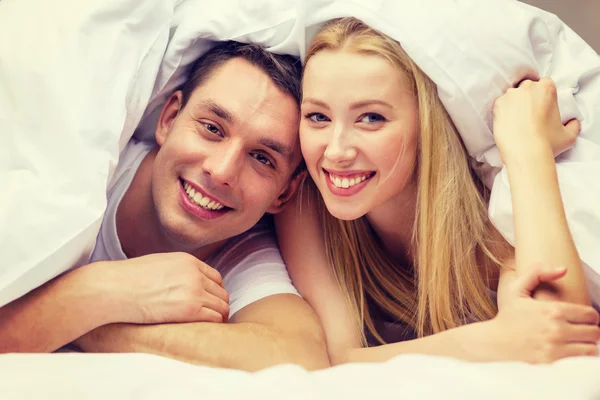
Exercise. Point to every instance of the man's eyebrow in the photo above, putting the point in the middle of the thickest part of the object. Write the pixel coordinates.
(217, 109)
(277, 147)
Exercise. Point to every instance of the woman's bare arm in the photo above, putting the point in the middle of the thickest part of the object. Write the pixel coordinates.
(529, 134)
(518, 335)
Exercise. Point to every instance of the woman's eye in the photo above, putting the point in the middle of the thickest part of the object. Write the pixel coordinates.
(371, 118)
(212, 129)
(262, 159)
(317, 117)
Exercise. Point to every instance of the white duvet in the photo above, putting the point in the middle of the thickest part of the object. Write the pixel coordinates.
(78, 78)
(141, 377)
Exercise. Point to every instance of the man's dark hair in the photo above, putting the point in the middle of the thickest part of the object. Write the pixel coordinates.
(284, 70)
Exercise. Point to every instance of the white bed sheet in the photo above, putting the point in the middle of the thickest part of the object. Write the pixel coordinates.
(140, 376)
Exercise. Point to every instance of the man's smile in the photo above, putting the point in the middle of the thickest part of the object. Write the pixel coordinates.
(200, 204)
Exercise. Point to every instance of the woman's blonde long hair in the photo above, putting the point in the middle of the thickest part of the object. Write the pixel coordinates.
(446, 287)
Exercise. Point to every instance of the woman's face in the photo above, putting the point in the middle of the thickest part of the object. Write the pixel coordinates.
(358, 131)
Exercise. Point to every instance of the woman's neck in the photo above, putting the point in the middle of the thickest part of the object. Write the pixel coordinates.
(393, 222)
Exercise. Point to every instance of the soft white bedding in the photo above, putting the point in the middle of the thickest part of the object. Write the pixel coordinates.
(138, 376)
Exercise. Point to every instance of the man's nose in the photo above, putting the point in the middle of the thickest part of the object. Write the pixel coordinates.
(224, 164)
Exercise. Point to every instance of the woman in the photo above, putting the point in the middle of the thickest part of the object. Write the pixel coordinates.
(395, 246)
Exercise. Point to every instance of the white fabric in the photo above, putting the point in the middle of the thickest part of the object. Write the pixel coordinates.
(250, 263)
(252, 267)
(139, 376)
(108, 246)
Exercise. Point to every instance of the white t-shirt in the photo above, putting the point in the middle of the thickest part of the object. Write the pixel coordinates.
(250, 263)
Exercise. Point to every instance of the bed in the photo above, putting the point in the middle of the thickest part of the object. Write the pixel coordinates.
(142, 376)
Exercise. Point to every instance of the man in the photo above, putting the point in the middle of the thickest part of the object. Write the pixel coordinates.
(228, 151)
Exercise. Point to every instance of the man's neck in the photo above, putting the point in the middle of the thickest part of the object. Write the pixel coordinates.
(138, 226)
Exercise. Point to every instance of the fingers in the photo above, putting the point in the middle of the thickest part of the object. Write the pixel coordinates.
(216, 304)
(210, 273)
(536, 275)
(529, 81)
(530, 78)
(208, 315)
(582, 334)
(579, 314)
(216, 290)
(572, 128)
(577, 350)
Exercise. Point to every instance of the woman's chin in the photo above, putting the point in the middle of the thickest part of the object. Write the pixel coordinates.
(345, 212)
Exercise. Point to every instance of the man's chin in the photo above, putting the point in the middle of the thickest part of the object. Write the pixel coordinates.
(193, 242)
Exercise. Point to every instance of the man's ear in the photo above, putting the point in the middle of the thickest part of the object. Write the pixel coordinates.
(288, 193)
(167, 116)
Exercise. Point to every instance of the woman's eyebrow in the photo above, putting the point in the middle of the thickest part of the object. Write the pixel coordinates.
(364, 103)
(353, 106)
(315, 102)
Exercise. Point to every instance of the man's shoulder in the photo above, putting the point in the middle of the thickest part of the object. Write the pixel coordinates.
(108, 245)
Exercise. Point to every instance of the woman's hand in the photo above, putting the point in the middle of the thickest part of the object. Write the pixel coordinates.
(537, 331)
(527, 118)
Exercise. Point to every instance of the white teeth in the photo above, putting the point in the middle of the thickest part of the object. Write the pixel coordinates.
(200, 200)
(345, 183)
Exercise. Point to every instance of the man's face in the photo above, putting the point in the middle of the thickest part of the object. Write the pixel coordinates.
(225, 158)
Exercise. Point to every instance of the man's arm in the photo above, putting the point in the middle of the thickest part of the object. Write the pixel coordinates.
(57, 312)
(277, 329)
(158, 288)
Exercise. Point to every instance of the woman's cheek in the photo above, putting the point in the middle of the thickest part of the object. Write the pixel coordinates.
(309, 147)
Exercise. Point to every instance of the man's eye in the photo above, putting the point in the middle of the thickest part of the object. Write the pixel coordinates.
(371, 118)
(212, 129)
(261, 158)
(317, 117)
